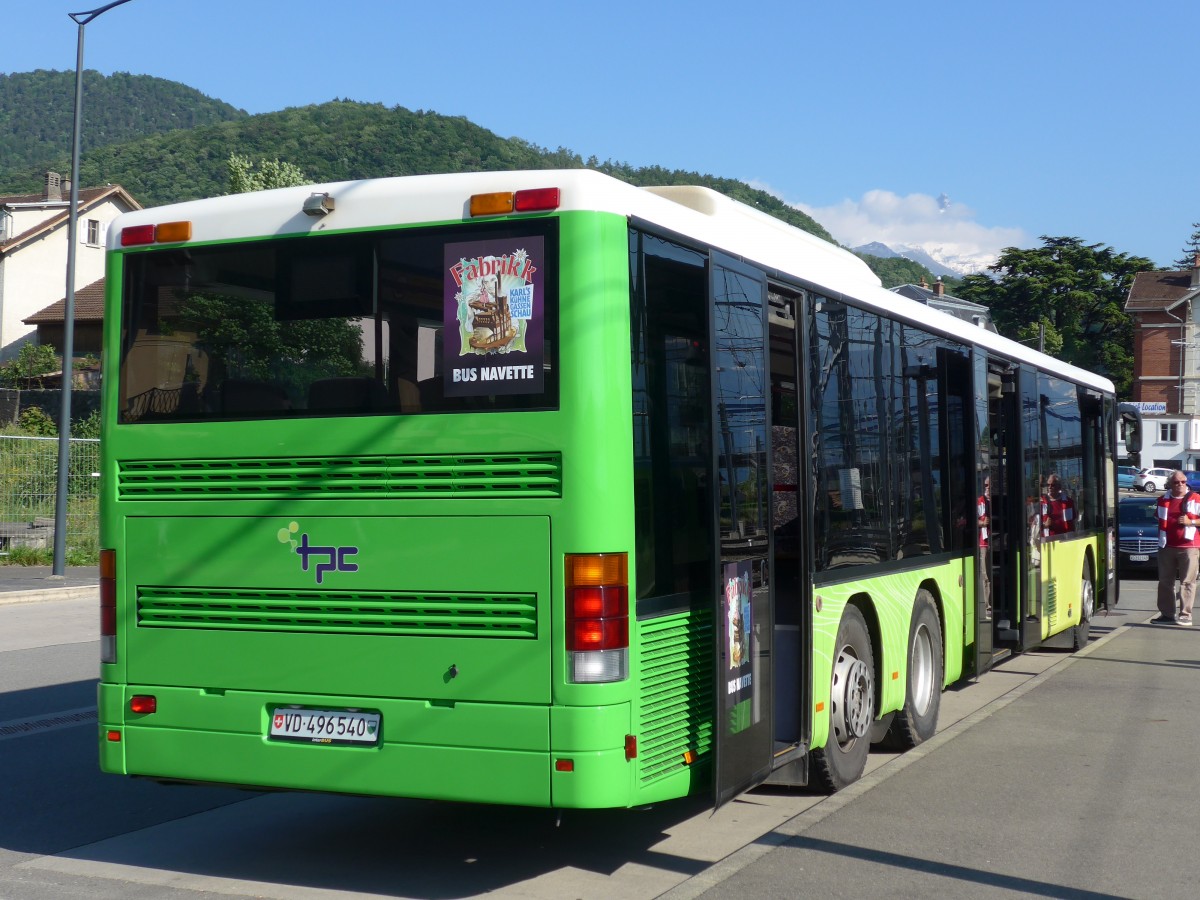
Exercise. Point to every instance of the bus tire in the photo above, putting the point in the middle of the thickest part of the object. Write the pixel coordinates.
(1087, 607)
(917, 721)
(851, 705)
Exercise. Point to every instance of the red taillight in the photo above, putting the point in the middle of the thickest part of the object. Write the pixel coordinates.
(536, 200)
(597, 601)
(108, 606)
(108, 593)
(143, 703)
(136, 235)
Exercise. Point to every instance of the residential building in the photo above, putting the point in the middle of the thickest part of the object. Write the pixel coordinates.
(936, 297)
(33, 250)
(89, 321)
(1166, 364)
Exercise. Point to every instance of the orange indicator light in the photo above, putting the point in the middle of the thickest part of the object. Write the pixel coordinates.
(496, 204)
(172, 232)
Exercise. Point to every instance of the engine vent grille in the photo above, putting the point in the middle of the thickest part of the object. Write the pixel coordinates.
(676, 694)
(340, 612)
(343, 477)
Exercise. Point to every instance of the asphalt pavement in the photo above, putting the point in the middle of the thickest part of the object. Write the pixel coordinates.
(1056, 775)
(1080, 783)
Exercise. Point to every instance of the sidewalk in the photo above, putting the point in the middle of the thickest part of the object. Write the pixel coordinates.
(28, 584)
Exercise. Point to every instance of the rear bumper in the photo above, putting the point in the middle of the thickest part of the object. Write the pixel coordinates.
(474, 752)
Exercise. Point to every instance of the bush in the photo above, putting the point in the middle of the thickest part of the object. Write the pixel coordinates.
(35, 421)
(31, 361)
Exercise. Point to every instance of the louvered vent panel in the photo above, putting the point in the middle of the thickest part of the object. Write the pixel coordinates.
(676, 693)
(351, 477)
(340, 612)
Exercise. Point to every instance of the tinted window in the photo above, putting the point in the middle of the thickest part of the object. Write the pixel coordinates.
(412, 321)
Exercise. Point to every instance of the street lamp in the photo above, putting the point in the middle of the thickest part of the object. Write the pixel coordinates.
(68, 350)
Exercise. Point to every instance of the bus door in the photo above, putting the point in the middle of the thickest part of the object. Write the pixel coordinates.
(790, 545)
(741, 456)
(1007, 550)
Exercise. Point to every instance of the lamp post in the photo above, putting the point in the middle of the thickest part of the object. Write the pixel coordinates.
(68, 350)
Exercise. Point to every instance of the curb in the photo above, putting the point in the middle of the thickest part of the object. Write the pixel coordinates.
(39, 595)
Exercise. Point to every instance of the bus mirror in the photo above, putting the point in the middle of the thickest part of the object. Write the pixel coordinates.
(1131, 427)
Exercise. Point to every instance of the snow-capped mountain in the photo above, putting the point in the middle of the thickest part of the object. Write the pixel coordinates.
(938, 259)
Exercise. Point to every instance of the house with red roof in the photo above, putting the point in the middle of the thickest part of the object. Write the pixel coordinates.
(33, 255)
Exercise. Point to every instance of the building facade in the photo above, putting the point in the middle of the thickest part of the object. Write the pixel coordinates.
(33, 251)
(1165, 309)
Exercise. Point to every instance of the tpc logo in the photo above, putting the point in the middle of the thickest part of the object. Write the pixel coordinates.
(334, 558)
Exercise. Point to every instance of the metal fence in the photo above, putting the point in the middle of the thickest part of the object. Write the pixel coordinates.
(28, 487)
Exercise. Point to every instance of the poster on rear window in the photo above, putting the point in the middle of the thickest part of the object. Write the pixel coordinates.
(738, 675)
(494, 317)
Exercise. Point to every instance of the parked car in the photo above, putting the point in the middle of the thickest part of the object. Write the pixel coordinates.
(1137, 535)
(1152, 480)
(1125, 476)
(1193, 480)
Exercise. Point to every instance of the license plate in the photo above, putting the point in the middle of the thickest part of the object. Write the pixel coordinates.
(1139, 557)
(325, 726)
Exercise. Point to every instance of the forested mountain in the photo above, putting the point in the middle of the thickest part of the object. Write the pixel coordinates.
(165, 142)
(37, 109)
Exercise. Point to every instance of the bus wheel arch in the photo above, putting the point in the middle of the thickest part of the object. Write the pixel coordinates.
(916, 722)
(852, 703)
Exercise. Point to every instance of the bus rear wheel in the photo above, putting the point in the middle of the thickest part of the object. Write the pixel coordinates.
(916, 722)
(1087, 607)
(851, 705)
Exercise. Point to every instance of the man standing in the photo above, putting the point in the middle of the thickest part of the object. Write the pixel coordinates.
(1179, 550)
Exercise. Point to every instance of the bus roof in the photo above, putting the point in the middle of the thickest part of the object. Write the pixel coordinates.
(689, 211)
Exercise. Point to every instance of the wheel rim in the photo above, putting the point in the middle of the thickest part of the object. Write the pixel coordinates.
(1087, 601)
(920, 665)
(853, 697)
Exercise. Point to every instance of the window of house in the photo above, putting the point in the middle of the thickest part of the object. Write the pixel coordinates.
(1168, 432)
(93, 232)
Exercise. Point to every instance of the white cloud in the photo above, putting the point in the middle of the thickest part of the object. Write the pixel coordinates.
(915, 220)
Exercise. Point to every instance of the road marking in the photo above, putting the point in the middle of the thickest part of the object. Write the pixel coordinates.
(51, 722)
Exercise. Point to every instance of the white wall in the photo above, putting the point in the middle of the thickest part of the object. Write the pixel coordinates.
(35, 275)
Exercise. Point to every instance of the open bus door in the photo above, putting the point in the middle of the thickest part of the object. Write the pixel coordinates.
(741, 456)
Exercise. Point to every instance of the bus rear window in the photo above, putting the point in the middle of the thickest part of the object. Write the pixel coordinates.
(401, 322)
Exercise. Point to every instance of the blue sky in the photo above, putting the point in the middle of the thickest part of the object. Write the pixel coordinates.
(975, 126)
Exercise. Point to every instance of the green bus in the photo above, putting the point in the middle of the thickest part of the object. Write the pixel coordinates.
(538, 488)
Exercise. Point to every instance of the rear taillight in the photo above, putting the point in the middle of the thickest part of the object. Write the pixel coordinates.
(597, 605)
(108, 606)
(501, 203)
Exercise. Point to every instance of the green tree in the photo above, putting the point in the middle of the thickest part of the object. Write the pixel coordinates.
(1190, 249)
(1076, 290)
(271, 173)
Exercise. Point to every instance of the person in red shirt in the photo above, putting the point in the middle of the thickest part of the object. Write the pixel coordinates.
(1179, 550)
(983, 520)
(1058, 510)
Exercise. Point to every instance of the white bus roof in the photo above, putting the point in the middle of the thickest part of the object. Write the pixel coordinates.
(699, 213)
